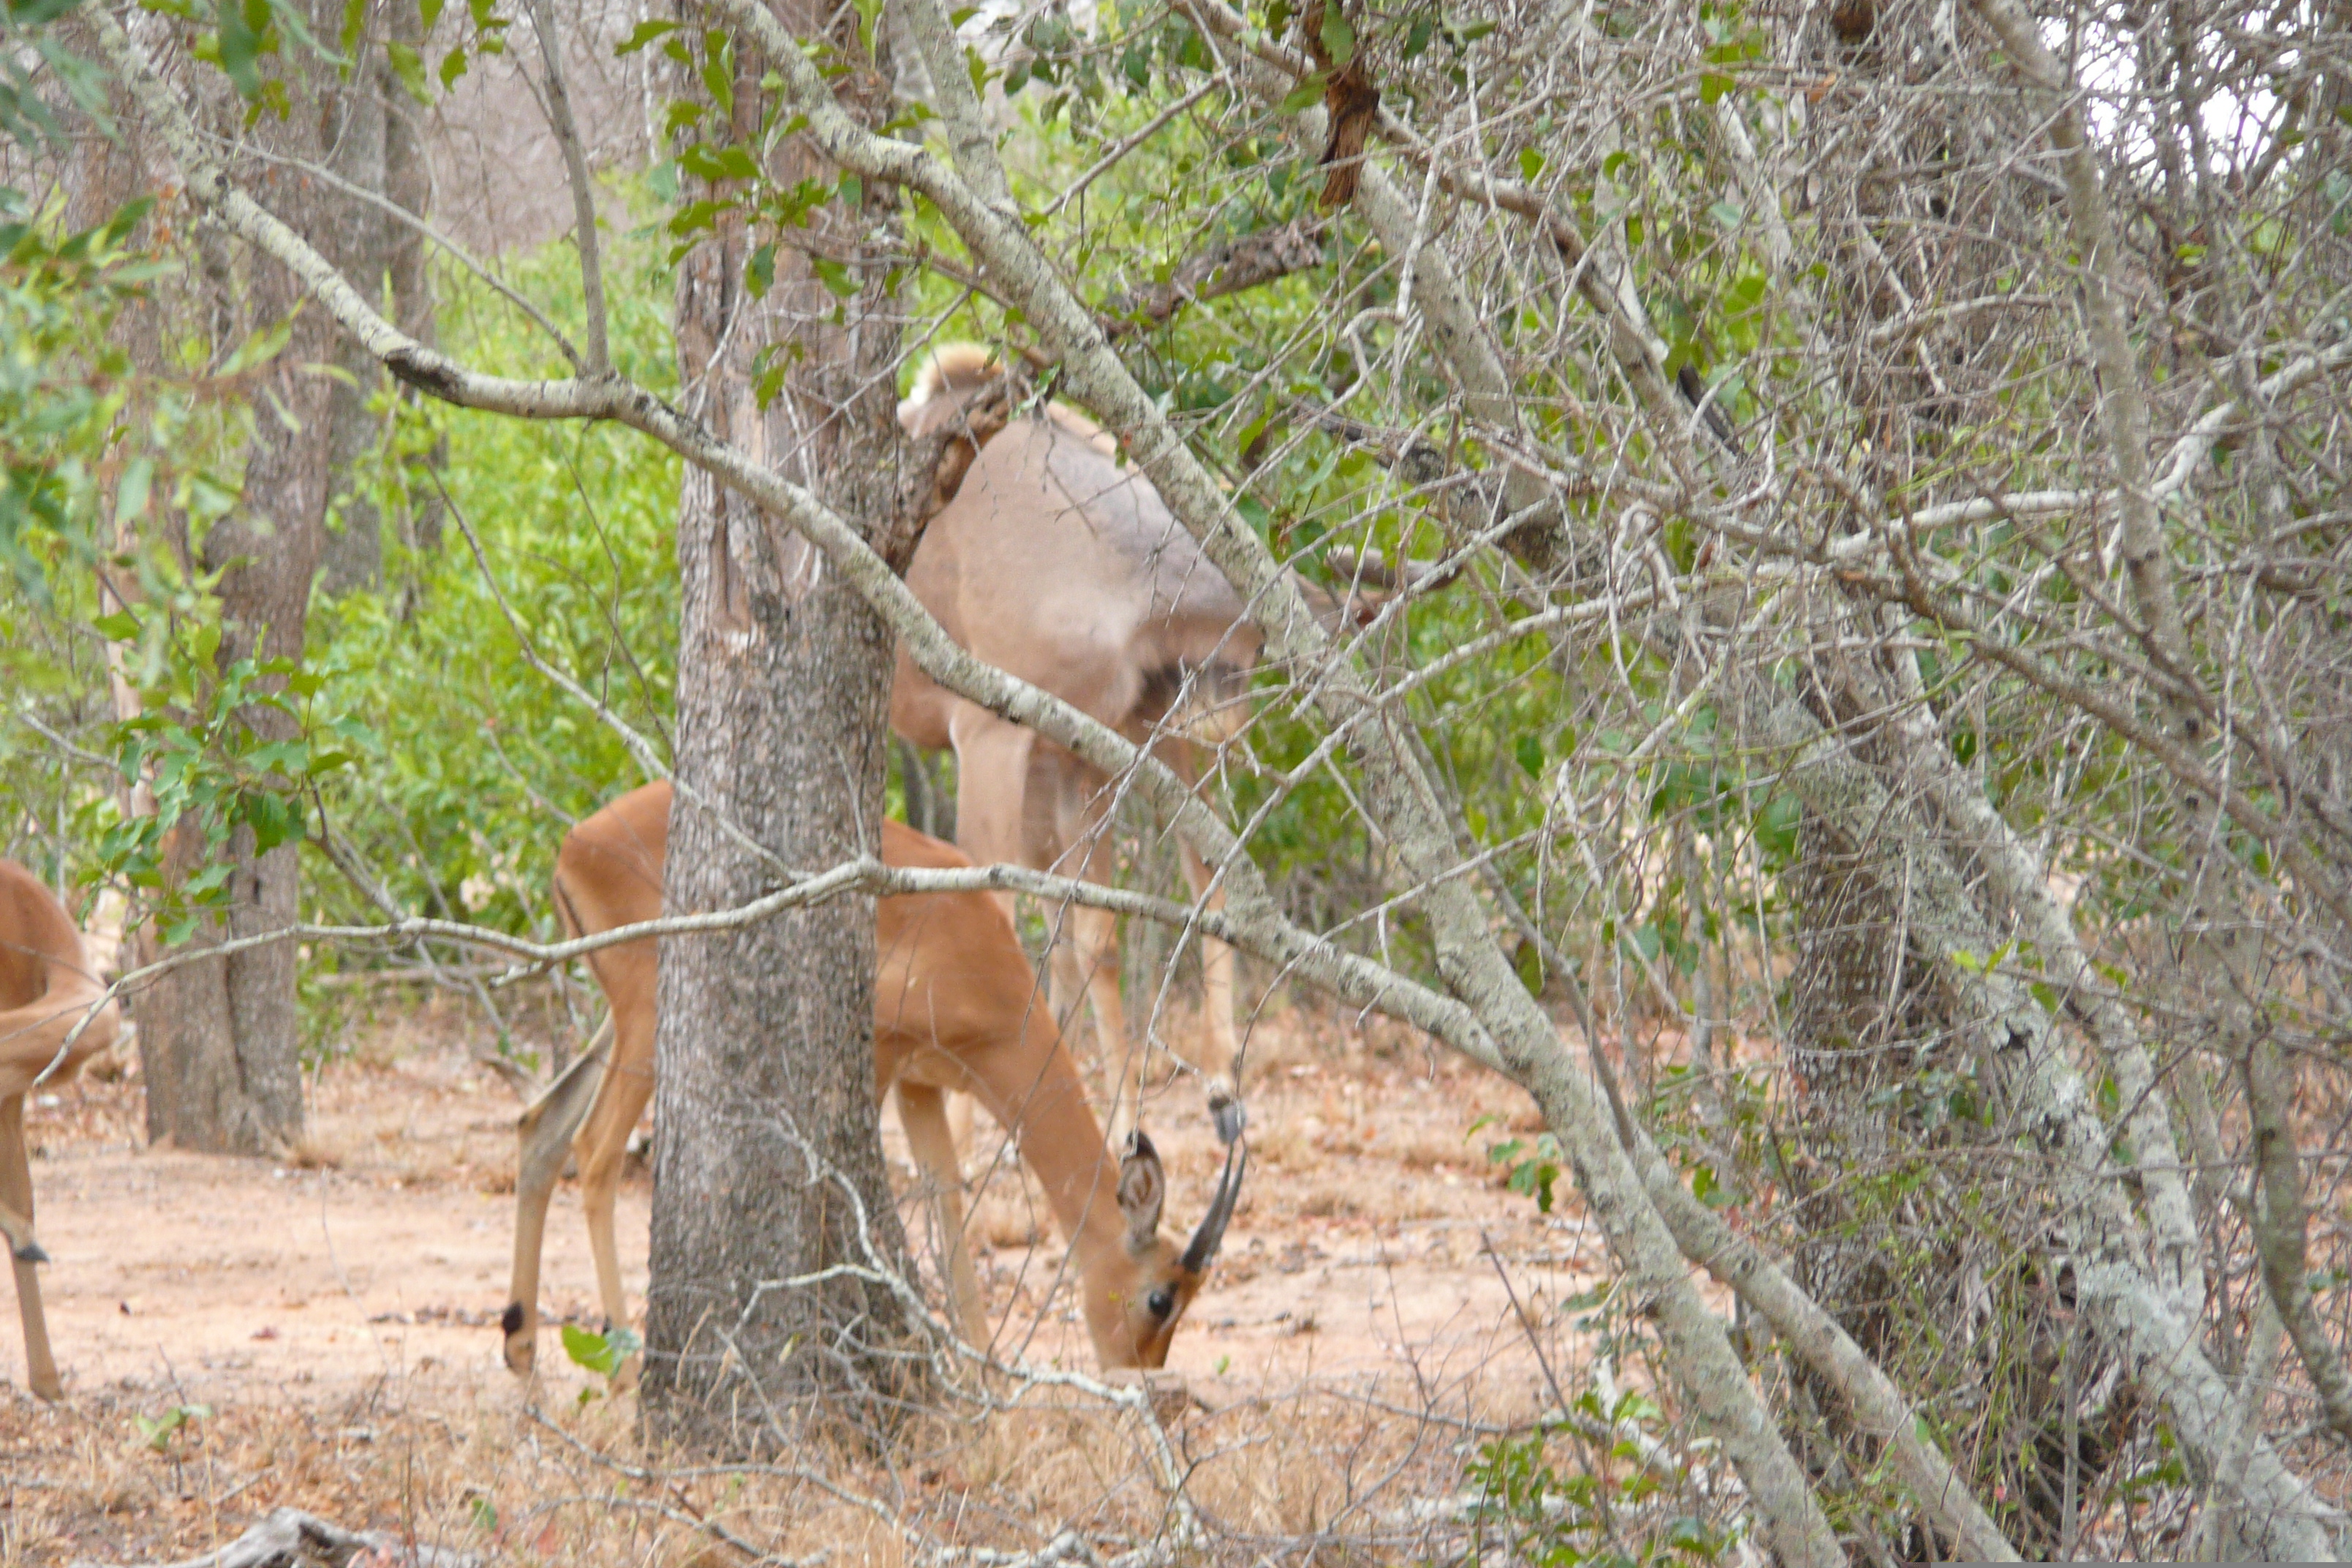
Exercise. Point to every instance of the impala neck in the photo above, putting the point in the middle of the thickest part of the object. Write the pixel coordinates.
(1063, 1145)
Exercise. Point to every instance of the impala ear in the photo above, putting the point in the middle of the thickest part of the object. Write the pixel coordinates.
(1142, 1190)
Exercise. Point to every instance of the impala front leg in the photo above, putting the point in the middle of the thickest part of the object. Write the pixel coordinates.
(545, 1131)
(922, 1112)
(17, 1223)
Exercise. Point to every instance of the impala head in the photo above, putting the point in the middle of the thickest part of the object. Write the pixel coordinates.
(1134, 1304)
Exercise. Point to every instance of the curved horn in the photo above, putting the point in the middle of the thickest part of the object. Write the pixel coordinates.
(1202, 1250)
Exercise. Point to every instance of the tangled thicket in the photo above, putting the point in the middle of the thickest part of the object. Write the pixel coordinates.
(1859, 493)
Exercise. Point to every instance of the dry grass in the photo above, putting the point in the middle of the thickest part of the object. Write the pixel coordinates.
(336, 1312)
(480, 1469)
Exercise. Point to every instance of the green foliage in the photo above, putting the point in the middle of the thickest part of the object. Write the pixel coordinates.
(158, 1432)
(474, 762)
(1531, 1509)
(1532, 1165)
(66, 387)
(605, 1355)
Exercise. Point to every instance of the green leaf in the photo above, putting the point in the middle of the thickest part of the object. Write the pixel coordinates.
(453, 66)
(718, 80)
(594, 1351)
(1339, 37)
(409, 66)
(761, 271)
(1530, 753)
(241, 42)
(838, 280)
(1304, 96)
(119, 626)
(1727, 215)
(430, 12)
(643, 34)
(1713, 86)
(1531, 164)
(602, 1354)
(131, 495)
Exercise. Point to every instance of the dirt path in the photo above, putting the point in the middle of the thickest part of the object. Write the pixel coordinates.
(385, 1247)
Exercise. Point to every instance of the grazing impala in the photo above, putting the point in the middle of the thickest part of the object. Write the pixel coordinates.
(55, 1014)
(954, 1007)
(1053, 563)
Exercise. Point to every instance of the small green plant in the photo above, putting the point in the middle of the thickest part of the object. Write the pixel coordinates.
(160, 1431)
(1534, 1166)
(605, 1355)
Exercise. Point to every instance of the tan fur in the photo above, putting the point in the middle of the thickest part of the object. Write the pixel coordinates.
(955, 1007)
(54, 1016)
(1051, 560)
(954, 367)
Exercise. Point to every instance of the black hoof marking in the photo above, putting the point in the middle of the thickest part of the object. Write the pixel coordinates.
(512, 1320)
(31, 1253)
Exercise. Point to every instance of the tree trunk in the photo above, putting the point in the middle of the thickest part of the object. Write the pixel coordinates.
(351, 553)
(219, 1042)
(770, 1161)
(408, 183)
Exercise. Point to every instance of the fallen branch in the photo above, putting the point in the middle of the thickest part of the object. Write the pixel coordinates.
(289, 1538)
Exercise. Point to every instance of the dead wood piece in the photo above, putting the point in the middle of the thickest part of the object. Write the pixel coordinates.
(289, 1538)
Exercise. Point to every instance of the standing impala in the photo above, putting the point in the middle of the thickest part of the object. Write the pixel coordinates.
(954, 1007)
(54, 1015)
(1051, 561)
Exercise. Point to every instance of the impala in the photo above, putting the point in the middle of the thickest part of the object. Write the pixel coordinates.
(1053, 563)
(55, 1014)
(954, 1009)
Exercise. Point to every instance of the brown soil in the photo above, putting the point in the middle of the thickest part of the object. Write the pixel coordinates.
(329, 1307)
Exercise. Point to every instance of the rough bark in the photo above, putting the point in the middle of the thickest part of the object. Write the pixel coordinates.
(771, 1165)
(219, 1042)
(357, 130)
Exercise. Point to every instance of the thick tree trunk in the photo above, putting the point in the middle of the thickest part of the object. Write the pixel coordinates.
(770, 1164)
(219, 1042)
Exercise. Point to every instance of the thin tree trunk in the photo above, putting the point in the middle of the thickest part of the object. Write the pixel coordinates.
(357, 149)
(408, 184)
(770, 1166)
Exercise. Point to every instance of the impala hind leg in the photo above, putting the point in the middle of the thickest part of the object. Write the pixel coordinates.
(1216, 974)
(17, 1199)
(922, 1112)
(1086, 966)
(545, 1132)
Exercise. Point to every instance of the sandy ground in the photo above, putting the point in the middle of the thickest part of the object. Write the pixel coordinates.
(383, 1249)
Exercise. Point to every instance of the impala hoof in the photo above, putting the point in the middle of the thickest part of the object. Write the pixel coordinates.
(522, 1345)
(30, 1252)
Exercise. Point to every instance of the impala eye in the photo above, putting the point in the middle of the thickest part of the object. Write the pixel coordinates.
(1162, 1301)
